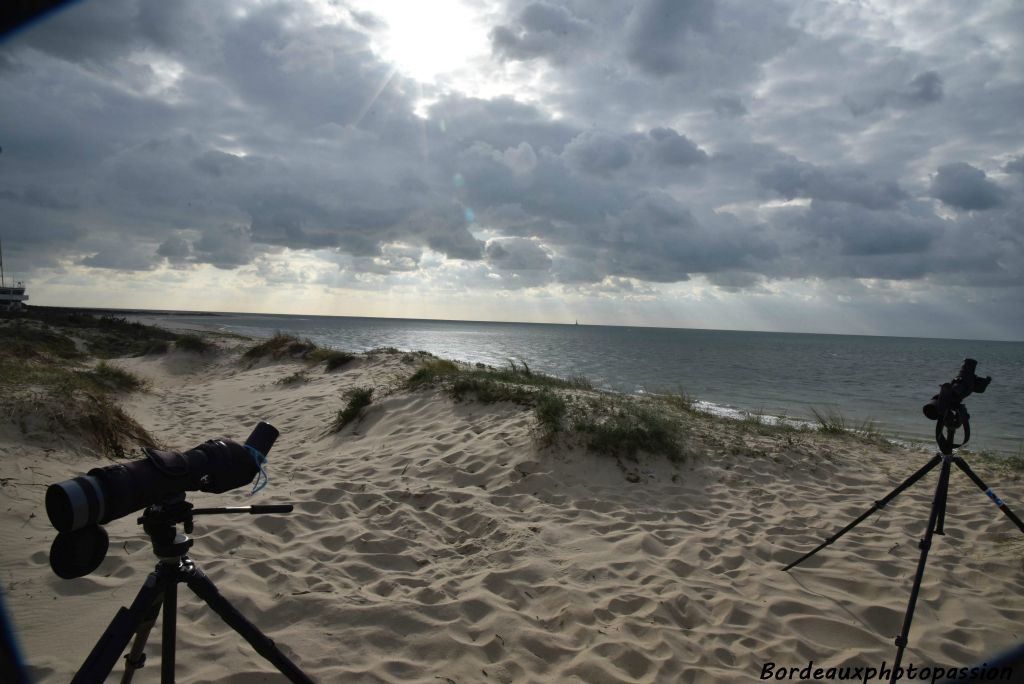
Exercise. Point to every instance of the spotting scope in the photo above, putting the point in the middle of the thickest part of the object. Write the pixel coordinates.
(77, 507)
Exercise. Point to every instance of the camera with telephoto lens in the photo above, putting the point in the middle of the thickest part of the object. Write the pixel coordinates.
(952, 393)
(77, 507)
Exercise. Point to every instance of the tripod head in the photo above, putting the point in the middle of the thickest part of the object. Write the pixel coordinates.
(160, 522)
(947, 410)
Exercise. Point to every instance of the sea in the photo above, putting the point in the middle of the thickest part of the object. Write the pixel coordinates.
(883, 381)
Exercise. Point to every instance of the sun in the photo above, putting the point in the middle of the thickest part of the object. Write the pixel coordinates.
(428, 41)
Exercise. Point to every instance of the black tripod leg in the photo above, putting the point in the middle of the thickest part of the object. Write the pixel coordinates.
(265, 646)
(115, 638)
(136, 657)
(962, 464)
(941, 522)
(878, 505)
(167, 638)
(938, 505)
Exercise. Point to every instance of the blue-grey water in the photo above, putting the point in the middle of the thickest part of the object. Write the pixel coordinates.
(882, 379)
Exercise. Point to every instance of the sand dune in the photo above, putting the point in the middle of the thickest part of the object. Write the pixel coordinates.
(435, 541)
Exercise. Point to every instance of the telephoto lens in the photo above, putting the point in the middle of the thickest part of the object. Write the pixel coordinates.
(108, 493)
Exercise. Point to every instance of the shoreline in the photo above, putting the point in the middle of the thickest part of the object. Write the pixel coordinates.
(722, 411)
(435, 538)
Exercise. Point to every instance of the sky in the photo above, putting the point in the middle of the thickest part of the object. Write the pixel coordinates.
(850, 167)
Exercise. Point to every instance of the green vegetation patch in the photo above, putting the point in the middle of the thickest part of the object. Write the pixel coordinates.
(551, 411)
(111, 430)
(566, 407)
(115, 379)
(297, 378)
(284, 345)
(358, 399)
(104, 336)
(279, 346)
(88, 419)
(24, 340)
(18, 374)
(496, 383)
(333, 358)
(832, 421)
(193, 343)
(623, 425)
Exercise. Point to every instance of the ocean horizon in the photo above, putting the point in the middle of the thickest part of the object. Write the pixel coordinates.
(879, 380)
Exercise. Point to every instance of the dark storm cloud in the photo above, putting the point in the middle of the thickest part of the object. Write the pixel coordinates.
(459, 245)
(393, 258)
(801, 180)
(502, 122)
(1015, 165)
(540, 29)
(598, 152)
(658, 32)
(923, 89)
(225, 247)
(175, 249)
(673, 149)
(517, 254)
(728, 105)
(35, 196)
(120, 258)
(964, 186)
(647, 141)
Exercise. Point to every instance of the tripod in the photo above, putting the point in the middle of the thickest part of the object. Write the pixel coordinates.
(161, 590)
(953, 419)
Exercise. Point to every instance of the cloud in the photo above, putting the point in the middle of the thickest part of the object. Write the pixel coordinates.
(517, 254)
(225, 247)
(1015, 165)
(598, 152)
(728, 105)
(541, 30)
(672, 149)
(175, 249)
(964, 186)
(120, 258)
(658, 32)
(796, 179)
(924, 89)
(597, 147)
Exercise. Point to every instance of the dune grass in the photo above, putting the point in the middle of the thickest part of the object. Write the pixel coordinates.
(47, 387)
(116, 379)
(24, 340)
(332, 358)
(297, 378)
(193, 343)
(551, 411)
(570, 408)
(279, 346)
(111, 430)
(832, 421)
(623, 426)
(157, 347)
(284, 345)
(358, 399)
(489, 379)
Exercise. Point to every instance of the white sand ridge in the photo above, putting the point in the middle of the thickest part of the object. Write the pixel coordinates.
(438, 541)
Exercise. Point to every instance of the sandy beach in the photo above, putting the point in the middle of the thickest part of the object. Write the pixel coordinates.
(436, 540)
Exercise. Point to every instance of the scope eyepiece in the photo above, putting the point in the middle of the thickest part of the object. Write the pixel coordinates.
(959, 388)
(262, 437)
